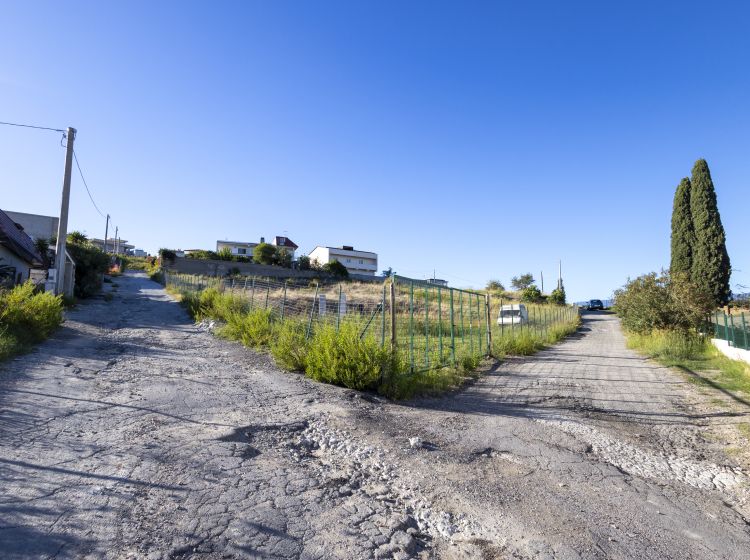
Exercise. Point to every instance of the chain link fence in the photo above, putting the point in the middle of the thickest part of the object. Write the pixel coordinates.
(430, 326)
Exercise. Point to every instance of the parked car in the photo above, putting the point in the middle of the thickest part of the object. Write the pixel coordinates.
(515, 314)
(596, 304)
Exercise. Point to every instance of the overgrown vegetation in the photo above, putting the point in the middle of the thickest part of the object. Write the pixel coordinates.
(26, 317)
(341, 355)
(91, 264)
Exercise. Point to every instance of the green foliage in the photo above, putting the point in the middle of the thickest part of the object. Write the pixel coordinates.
(495, 286)
(335, 268)
(91, 264)
(167, 254)
(76, 237)
(252, 328)
(388, 272)
(42, 246)
(531, 294)
(710, 268)
(224, 254)
(289, 346)
(557, 296)
(283, 257)
(303, 262)
(26, 317)
(666, 302)
(522, 282)
(343, 358)
(201, 254)
(7, 275)
(683, 233)
(264, 253)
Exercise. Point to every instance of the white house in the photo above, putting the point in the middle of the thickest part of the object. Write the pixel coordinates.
(356, 262)
(239, 248)
(286, 243)
(18, 254)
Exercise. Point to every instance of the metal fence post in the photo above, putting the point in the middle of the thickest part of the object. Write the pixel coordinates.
(411, 324)
(731, 325)
(487, 304)
(471, 335)
(744, 331)
(426, 328)
(283, 301)
(453, 334)
(268, 290)
(726, 328)
(440, 326)
(312, 310)
(394, 340)
(382, 318)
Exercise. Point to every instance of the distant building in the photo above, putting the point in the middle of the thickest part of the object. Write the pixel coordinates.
(356, 262)
(36, 226)
(437, 281)
(121, 247)
(285, 243)
(239, 248)
(139, 253)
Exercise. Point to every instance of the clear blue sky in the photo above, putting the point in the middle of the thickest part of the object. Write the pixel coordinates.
(482, 140)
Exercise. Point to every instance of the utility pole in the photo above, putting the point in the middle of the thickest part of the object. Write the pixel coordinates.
(541, 275)
(559, 275)
(62, 228)
(106, 232)
(116, 238)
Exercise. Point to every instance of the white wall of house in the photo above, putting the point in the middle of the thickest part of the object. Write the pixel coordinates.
(22, 267)
(241, 248)
(356, 262)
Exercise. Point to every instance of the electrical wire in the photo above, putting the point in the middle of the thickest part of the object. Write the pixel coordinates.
(32, 126)
(78, 165)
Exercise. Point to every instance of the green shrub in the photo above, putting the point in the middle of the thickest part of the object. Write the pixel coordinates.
(289, 347)
(335, 268)
(27, 317)
(91, 264)
(254, 329)
(531, 294)
(669, 345)
(342, 358)
(665, 302)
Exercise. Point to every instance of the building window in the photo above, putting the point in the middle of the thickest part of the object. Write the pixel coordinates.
(241, 251)
(348, 260)
(361, 261)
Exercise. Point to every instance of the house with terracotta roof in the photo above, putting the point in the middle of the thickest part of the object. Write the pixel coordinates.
(285, 243)
(17, 251)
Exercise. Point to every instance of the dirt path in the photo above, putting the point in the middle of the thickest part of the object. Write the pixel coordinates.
(135, 434)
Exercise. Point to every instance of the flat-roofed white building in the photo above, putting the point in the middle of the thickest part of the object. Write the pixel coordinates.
(355, 261)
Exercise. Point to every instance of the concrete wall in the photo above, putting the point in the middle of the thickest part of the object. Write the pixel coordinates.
(222, 268)
(35, 226)
(730, 351)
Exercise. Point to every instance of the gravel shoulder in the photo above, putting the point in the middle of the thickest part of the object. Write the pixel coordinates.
(135, 434)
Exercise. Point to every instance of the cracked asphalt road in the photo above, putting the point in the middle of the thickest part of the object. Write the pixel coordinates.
(135, 434)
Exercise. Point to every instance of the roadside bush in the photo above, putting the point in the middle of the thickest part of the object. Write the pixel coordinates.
(253, 328)
(27, 317)
(335, 268)
(531, 294)
(557, 296)
(665, 302)
(289, 347)
(344, 359)
(91, 264)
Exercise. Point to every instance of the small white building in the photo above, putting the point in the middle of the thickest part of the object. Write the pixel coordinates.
(118, 246)
(355, 261)
(239, 248)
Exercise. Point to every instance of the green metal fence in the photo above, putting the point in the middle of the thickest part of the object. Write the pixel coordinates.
(429, 325)
(734, 328)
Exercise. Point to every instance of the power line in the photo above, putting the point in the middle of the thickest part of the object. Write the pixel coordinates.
(32, 126)
(78, 165)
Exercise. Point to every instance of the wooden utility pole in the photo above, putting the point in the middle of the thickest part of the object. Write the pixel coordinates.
(116, 247)
(62, 228)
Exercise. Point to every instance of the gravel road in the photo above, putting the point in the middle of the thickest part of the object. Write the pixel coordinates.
(134, 433)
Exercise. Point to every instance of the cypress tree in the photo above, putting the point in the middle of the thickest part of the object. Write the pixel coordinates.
(683, 234)
(711, 268)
